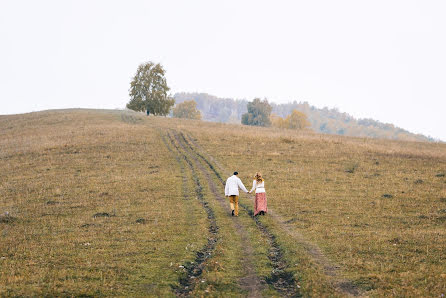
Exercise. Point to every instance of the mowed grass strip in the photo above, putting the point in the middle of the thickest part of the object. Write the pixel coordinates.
(375, 207)
(91, 203)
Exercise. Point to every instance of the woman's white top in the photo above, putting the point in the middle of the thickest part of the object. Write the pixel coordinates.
(259, 187)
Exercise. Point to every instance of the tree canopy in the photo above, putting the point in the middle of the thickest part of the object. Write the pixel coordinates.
(258, 113)
(187, 109)
(148, 90)
(296, 120)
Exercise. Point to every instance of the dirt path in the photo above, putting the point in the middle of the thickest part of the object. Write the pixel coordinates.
(281, 278)
(251, 282)
(331, 270)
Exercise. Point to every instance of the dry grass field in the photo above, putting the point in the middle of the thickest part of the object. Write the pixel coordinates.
(376, 209)
(113, 203)
(88, 212)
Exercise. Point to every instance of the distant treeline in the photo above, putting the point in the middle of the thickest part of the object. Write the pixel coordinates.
(330, 121)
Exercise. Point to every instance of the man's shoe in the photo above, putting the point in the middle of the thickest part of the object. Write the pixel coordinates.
(232, 212)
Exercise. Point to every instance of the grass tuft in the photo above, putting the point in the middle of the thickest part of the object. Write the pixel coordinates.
(102, 214)
(351, 168)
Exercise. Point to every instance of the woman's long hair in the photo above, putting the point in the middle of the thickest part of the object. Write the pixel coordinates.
(258, 177)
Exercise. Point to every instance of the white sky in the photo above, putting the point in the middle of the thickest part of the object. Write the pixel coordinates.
(377, 59)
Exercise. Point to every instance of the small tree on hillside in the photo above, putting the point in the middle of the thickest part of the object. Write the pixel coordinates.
(296, 120)
(187, 109)
(278, 121)
(258, 113)
(148, 90)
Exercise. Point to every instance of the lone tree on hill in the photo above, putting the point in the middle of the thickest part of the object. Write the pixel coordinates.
(148, 90)
(187, 109)
(258, 113)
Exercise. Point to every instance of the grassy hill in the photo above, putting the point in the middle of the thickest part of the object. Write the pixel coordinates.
(114, 203)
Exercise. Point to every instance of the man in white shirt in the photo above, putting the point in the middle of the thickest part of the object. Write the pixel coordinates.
(231, 191)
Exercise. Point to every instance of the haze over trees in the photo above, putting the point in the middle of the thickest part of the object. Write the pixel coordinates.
(148, 90)
(324, 120)
(258, 113)
(226, 110)
(296, 120)
(187, 109)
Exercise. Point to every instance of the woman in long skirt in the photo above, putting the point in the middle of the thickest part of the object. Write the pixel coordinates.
(258, 184)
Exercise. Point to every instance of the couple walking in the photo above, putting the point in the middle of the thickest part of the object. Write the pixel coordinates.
(231, 190)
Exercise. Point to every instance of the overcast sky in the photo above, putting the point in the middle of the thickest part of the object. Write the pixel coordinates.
(376, 59)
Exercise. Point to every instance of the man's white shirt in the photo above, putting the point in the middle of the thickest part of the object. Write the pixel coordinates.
(232, 185)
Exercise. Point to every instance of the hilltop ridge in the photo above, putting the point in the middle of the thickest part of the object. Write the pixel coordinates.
(325, 120)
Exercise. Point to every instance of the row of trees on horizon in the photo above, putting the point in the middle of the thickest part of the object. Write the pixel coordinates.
(149, 93)
(325, 120)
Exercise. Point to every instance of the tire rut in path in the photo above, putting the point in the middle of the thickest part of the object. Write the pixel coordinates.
(281, 278)
(195, 269)
(342, 285)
